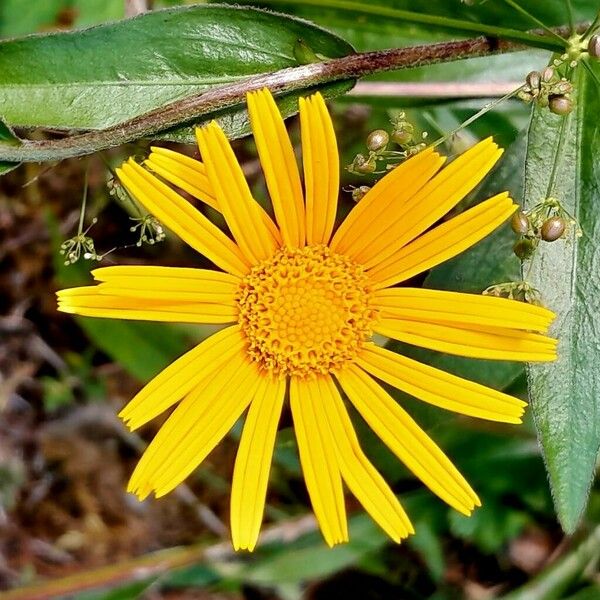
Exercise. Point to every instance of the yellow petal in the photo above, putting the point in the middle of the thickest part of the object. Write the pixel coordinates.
(253, 463)
(184, 172)
(362, 478)
(182, 218)
(319, 464)
(155, 294)
(173, 284)
(476, 341)
(242, 213)
(383, 201)
(407, 440)
(279, 166)
(190, 175)
(195, 427)
(443, 242)
(392, 231)
(321, 168)
(440, 388)
(182, 376)
(436, 306)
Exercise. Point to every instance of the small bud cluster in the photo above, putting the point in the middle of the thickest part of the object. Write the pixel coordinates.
(80, 245)
(515, 290)
(380, 158)
(548, 89)
(547, 221)
(358, 193)
(150, 230)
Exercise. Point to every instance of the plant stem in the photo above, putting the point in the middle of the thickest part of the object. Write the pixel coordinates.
(407, 16)
(551, 583)
(191, 109)
(154, 564)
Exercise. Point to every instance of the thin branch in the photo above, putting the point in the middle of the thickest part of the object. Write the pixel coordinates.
(153, 564)
(441, 89)
(191, 109)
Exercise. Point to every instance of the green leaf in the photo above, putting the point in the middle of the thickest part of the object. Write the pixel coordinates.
(98, 77)
(7, 137)
(562, 161)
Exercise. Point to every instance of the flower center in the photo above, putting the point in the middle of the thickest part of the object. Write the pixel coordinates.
(305, 311)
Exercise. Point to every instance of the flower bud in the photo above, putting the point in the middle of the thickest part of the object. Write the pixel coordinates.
(560, 105)
(520, 223)
(377, 140)
(553, 228)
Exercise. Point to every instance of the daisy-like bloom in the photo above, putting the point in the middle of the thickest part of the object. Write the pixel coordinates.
(301, 302)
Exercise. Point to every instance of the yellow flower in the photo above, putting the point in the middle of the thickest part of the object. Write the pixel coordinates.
(302, 303)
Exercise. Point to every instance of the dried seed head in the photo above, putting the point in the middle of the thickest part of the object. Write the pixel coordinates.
(560, 105)
(553, 228)
(377, 140)
(520, 223)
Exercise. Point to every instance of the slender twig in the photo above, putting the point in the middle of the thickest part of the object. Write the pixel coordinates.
(555, 580)
(153, 565)
(191, 109)
(535, 20)
(570, 16)
(437, 89)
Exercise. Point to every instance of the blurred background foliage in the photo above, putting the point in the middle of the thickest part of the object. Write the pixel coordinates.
(65, 458)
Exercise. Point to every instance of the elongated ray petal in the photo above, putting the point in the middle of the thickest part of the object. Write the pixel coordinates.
(440, 388)
(385, 200)
(321, 168)
(407, 440)
(393, 231)
(182, 218)
(183, 171)
(443, 242)
(190, 175)
(476, 341)
(195, 427)
(241, 211)
(253, 463)
(319, 464)
(362, 478)
(279, 166)
(97, 301)
(182, 376)
(437, 306)
(174, 285)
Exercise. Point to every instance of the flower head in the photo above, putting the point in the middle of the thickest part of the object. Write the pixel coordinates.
(300, 303)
